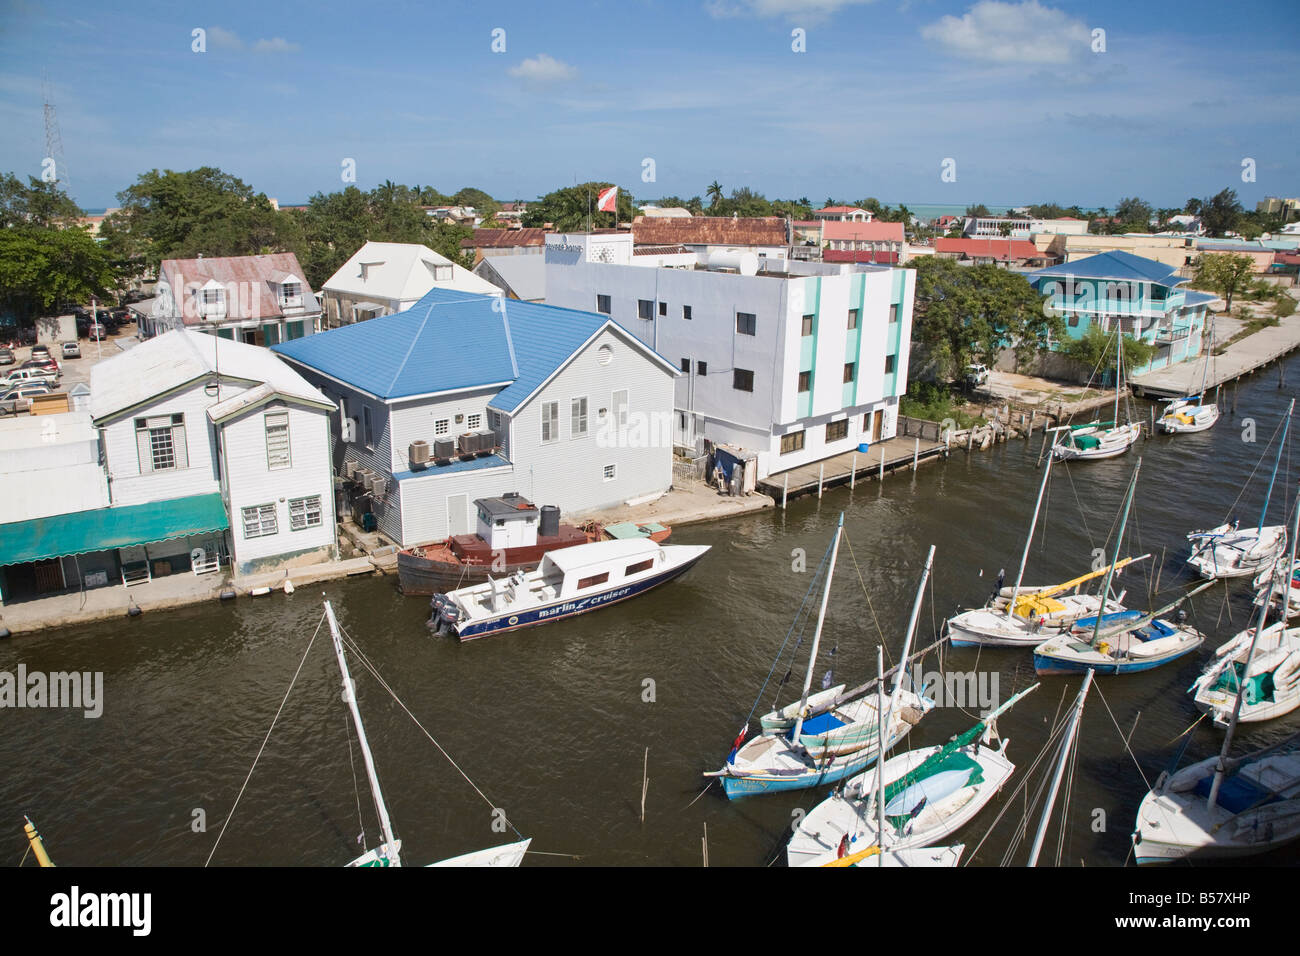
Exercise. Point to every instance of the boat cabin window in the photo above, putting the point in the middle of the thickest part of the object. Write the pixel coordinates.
(640, 566)
(593, 580)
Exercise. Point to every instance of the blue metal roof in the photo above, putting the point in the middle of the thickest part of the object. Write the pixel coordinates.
(452, 340)
(1115, 265)
(474, 464)
(1194, 298)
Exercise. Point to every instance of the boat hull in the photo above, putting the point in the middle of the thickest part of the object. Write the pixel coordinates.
(562, 610)
(1046, 665)
(834, 770)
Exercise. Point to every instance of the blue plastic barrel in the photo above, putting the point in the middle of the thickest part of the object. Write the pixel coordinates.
(864, 446)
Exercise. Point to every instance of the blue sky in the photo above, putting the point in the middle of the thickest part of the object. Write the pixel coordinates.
(709, 89)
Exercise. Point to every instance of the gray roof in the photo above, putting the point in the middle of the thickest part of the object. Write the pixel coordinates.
(522, 276)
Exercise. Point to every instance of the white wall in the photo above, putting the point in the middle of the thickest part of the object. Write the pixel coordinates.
(127, 486)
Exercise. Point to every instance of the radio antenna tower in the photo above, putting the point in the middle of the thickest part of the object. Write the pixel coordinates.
(53, 141)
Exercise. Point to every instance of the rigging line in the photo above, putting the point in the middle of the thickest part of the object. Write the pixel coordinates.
(25, 854)
(1083, 514)
(365, 662)
(795, 623)
(1121, 734)
(1065, 803)
(1246, 484)
(347, 728)
(867, 594)
(265, 739)
(701, 793)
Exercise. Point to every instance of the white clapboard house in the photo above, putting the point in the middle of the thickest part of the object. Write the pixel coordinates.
(466, 396)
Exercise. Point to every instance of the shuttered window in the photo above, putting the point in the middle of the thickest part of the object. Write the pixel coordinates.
(304, 513)
(259, 521)
(578, 417)
(160, 442)
(277, 440)
(550, 422)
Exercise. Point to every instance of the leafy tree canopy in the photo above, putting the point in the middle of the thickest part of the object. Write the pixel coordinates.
(570, 207)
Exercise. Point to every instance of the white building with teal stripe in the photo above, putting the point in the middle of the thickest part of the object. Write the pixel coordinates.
(796, 361)
(1144, 298)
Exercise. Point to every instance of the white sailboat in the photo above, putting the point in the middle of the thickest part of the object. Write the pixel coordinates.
(1025, 617)
(927, 795)
(1223, 807)
(388, 853)
(1099, 439)
(1263, 666)
(804, 747)
(1228, 551)
(1191, 413)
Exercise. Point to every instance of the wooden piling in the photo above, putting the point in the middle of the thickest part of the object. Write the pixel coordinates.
(821, 476)
(645, 782)
(853, 472)
(916, 453)
(785, 490)
(882, 463)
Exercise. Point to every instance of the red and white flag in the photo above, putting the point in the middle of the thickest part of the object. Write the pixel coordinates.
(607, 201)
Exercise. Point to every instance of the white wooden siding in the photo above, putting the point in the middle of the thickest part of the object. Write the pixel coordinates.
(127, 486)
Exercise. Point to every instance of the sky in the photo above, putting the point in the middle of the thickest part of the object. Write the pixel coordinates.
(917, 101)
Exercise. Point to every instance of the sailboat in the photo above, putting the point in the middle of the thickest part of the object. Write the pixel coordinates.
(1102, 439)
(928, 795)
(388, 853)
(1268, 678)
(1230, 552)
(1025, 617)
(823, 741)
(1223, 807)
(1127, 645)
(1066, 746)
(1191, 413)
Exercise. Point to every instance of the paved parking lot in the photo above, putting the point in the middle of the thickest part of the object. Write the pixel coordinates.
(92, 353)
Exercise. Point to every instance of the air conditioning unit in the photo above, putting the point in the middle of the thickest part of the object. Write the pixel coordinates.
(487, 441)
(349, 468)
(419, 452)
(369, 483)
(361, 476)
(378, 486)
(467, 444)
(349, 429)
(444, 449)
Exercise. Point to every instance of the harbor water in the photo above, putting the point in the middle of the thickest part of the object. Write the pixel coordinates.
(553, 723)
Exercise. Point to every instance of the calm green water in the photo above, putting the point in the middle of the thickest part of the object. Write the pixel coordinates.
(551, 722)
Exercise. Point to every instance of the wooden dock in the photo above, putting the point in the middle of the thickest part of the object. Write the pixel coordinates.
(904, 451)
(1241, 358)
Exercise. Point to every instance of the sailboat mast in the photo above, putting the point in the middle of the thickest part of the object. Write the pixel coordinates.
(880, 758)
(1277, 461)
(1119, 363)
(1033, 524)
(1060, 769)
(389, 849)
(817, 636)
(911, 631)
(1119, 542)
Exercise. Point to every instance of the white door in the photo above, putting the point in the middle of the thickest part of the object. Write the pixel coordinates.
(457, 515)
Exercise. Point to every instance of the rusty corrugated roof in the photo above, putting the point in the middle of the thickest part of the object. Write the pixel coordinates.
(708, 231)
(504, 238)
(256, 279)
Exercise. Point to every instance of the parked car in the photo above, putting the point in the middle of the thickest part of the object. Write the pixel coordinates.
(96, 332)
(976, 375)
(40, 351)
(19, 398)
(7, 357)
(46, 363)
(25, 376)
(71, 350)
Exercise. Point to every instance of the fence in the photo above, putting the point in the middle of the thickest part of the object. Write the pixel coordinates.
(688, 470)
(920, 428)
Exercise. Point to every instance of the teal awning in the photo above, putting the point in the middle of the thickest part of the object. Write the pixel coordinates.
(106, 528)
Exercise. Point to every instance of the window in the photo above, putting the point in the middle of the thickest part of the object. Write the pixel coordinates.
(474, 423)
(746, 323)
(602, 304)
(550, 422)
(805, 381)
(645, 309)
(686, 312)
(495, 419)
(304, 513)
(701, 369)
(742, 380)
(889, 364)
(289, 293)
(853, 318)
(592, 581)
(637, 568)
(620, 408)
(791, 442)
(663, 308)
(835, 431)
(259, 521)
(368, 428)
(893, 314)
(1074, 321)
(578, 417)
(610, 472)
(686, 365)
(160, 442)
(442, 426)
(807, 327)
(849, 369)
(277, 440)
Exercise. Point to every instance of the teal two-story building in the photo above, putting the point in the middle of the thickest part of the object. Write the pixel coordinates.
(1142, 297)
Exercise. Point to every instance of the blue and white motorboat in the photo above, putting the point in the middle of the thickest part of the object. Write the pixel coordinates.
(568, 582)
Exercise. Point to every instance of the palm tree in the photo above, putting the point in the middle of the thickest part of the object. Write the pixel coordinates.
(714, 192)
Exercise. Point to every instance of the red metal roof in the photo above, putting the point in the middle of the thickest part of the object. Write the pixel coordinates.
(999, 249)
(865, 231)
(255, 281)
(877, 256)
(708, 231)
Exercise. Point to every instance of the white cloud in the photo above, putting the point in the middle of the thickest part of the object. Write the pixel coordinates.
(224, 39)
(1017, 33)
(543, 69)
(810, 11)
(275, 45)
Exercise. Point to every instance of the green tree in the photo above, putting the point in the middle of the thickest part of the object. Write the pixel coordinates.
(978, 211)
(571, 207)
(42, 266)
(1224, 273)
(36, 204)
(1095, 349)
(1132, 211)
(1219, 213)
(714, 192)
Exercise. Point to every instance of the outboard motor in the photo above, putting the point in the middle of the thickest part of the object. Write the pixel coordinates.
(445, 614)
